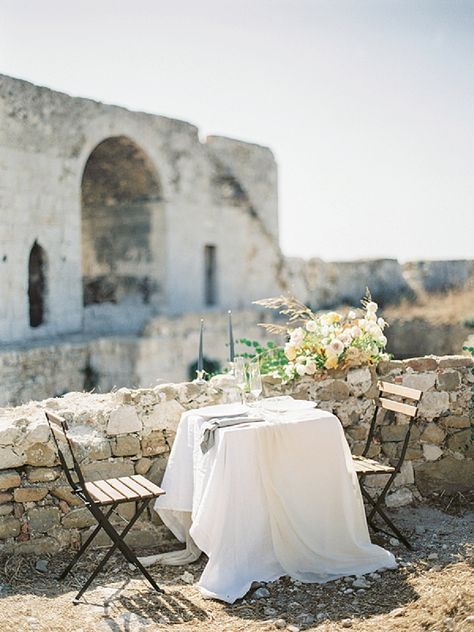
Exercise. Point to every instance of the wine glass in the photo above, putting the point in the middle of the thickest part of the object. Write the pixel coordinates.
(255, 380)
(241, 375)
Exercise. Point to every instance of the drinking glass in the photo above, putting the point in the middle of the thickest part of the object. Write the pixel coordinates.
(241, 375)
(255, 380)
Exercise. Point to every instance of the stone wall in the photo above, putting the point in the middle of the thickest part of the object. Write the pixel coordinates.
(131, 431)
(69, 167)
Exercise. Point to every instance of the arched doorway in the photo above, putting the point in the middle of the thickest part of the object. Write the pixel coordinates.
(122, 225)
(37, 285)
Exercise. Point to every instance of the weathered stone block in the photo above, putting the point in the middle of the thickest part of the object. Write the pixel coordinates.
(333, 389)
(420, 381)
(455, 362)
(433, 405)
(9, 432)
(38, 546)
(143, 465)
(5, 498)
(427, 363)
(431, 452)
(413, 453)
(65, 494)
(123, 420)
(448, 381)
(388, 366)
(42, 519)
(29, 494)
(358, 433)
(357, 448)
(157, 470)
(6, 509)
(78, 519)
(107, 469)
(9, 479)
(164, 416)
(42, 474)
(394, 432)
(166, 391)
(154, 443)
(100, 450)
(359, 381)
(433, 434)
(454, 421)
(376, 481)
(126, 445)
(9, 527)
(40, 454)
(447, 474)
(406, 475)
(9, 458)
(461, 440)
(399, 498)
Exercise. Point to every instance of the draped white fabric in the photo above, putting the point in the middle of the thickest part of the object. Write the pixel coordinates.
(270, 499)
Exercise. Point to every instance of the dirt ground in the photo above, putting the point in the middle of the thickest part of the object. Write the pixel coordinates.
(432, 590)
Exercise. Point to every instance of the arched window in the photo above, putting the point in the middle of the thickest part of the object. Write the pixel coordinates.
(122, 230)
(37, 285)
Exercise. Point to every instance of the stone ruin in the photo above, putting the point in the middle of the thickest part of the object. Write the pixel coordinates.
(131, 431)
(119, 229)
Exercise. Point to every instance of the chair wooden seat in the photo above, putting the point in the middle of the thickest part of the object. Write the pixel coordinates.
(123, 489)
(367, 466)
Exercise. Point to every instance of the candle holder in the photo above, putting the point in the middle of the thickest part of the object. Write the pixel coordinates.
(199, 377)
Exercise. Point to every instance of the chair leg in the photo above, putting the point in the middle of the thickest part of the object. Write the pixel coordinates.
(118, 542)
(378, 509)
(79, 554)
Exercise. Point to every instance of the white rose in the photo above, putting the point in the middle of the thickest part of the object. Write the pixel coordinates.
(311, 367)
(383, 340)
(381, 323)
(371, 307)
(351, 315)
(356, 331)
(346, 337)
(362, 323)
(300, 369)
(297, 337)
(336, 346)
(311, 326)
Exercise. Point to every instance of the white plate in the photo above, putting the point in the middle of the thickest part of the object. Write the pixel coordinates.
(222, 410)
(287, 405)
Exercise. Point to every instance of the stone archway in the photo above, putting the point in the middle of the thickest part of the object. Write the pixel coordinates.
(37, 285)
(122, 225)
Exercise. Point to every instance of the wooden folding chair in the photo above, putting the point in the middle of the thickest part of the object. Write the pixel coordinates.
(367, 467)
(102, 499)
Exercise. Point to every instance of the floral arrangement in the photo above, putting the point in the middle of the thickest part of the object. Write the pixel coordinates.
(328, 340)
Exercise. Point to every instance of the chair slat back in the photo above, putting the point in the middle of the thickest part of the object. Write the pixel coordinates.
(59, 428)
(401, 391)
(398, 407)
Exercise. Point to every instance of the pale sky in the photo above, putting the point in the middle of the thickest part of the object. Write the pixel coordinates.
(367, 105)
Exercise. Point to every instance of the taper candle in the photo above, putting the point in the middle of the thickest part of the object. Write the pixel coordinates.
(200, 357)
(231, 338)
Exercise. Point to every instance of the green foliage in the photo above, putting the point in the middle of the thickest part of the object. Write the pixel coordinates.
(270, 356)
(469, 323)
(471, 351)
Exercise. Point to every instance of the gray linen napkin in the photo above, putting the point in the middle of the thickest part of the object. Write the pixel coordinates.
(210, 427)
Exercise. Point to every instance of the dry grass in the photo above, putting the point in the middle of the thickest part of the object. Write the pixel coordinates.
(425, 593)
(452, 307)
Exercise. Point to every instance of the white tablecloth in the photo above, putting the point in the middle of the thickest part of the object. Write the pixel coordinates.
(269, 499)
